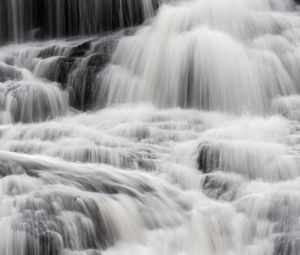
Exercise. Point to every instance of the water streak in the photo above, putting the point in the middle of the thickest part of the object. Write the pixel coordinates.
(177, 136)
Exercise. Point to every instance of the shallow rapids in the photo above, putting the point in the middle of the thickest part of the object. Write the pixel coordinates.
(135, 179)
(160, 128)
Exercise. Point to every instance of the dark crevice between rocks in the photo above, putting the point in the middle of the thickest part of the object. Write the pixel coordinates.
(208, 158)
(76, 68)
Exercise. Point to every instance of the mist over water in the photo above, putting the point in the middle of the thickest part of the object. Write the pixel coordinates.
(149, 127)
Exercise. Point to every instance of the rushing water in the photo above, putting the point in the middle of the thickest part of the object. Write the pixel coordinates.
(171, 130)
(29, 19)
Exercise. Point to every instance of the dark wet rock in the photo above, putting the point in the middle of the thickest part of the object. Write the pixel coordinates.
(219, 186)
(76, 67)
(108, 44)
(98, 60)
(146, 164)
(50, 243)
(79, 68)
(208, 159)
(79, 50)
(82, 78)
(59, 70)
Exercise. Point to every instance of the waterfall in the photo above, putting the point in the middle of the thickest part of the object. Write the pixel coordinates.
(167, 127)
(29, 19)
(229, 56)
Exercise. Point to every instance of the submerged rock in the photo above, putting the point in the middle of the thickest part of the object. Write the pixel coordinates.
(208, 159)
(81, 80)
(221, 186)
(9, 73)
(59, 70)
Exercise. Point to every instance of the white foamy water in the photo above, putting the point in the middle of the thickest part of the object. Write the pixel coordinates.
(231, 56)
(177, 137)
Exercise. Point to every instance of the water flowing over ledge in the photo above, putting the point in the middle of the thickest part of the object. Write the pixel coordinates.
(177, 136)
(29, 19)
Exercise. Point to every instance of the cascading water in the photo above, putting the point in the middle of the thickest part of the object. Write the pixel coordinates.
(163, 127)
(29, 19)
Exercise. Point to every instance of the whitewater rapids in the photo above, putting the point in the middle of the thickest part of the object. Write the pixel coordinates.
(126, 180)
(180, 136)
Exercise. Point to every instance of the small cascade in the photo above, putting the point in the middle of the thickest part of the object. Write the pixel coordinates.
(194, 55)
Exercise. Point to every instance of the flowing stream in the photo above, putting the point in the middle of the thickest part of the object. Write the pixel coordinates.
(168, 127)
